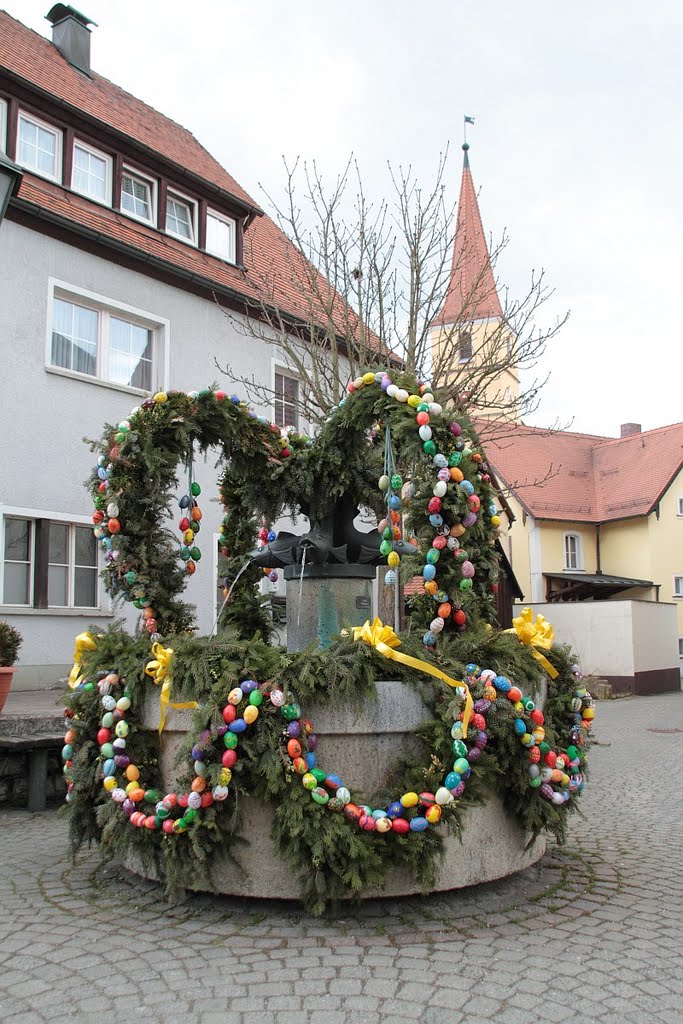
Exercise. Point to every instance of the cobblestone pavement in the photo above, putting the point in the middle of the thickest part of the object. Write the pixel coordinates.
(593, 933)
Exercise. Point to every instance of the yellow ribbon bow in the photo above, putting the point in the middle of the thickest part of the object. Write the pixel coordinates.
(160, 671)
(384, 640)
(535, 634)
(84, 642)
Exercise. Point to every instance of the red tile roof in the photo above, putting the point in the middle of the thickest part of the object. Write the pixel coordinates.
(277, 272)
(38, 62)
(472, 292)
(589, 478)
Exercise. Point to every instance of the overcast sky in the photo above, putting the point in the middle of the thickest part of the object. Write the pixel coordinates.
(577, 149)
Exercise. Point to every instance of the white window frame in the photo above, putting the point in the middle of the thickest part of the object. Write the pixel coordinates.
(3, 126)
(131, 172)
(109, 165)
(105, 308)
(571, 534)
(173, 194)
(103, 606)
(679, 507)
(284, 372)
(677, 585)
(57, 132)
(231, 256)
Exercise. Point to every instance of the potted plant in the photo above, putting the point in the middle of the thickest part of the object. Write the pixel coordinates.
(10, 642)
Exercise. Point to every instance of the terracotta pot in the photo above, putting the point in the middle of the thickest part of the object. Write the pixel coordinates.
(6, 674)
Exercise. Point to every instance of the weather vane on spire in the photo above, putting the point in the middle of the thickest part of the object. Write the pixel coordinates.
(468, 120)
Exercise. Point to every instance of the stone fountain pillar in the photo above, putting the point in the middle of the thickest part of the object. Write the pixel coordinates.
(324, 599)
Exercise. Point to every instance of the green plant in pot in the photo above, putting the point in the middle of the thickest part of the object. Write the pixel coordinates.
(10, 642)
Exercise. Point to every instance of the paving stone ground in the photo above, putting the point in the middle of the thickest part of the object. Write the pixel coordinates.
(594, 933)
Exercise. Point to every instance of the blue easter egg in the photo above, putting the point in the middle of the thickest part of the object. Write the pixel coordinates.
(436, 520)
(520, 726)
(429, 572)
(109, 767)
(466, 486)
(334, 781)
(472, 669)
(239, 725)
(395, 810)
(248, 685)
(419, 824)
(394, 502)
(429, 639)
(451, 780)
(68, 753)
(502, 684)
(310, 759)
(380, 814)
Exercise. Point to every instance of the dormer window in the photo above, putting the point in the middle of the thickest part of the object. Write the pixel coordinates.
(39, 147)
(137, 196)
(181, 217)
(91, 174)
(220, 236)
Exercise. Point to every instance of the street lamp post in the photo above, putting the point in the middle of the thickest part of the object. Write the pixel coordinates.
(10, 180)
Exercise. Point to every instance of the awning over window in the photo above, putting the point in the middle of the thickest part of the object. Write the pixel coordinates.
(581, 586)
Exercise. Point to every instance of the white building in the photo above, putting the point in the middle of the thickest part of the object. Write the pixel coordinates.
(119, 250)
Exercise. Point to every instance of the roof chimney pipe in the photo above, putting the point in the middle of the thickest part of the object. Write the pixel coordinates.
(71, 35)
(630, 428)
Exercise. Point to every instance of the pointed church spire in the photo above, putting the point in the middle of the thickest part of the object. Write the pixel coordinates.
(472, 293)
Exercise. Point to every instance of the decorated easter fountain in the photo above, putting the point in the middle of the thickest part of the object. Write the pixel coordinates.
(359, 762)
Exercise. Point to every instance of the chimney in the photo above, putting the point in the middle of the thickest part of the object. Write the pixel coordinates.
(630, 428)
(71, 35)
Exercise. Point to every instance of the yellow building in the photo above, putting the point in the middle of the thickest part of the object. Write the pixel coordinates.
(596, 519)
(472, 345)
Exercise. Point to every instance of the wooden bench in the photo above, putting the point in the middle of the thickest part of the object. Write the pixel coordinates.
(37, 747)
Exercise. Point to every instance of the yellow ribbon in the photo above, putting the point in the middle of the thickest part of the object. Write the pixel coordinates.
(160, 671)
(84, 642)
(384, 640)
(535, 634)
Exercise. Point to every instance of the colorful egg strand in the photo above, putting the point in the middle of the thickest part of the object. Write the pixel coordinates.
(108, 527)
(329, 790)
(112, 738)
(448, 474)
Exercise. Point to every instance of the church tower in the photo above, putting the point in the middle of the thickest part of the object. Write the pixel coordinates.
(472, 345)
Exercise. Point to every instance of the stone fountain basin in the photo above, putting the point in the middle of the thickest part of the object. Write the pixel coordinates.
(359, 746)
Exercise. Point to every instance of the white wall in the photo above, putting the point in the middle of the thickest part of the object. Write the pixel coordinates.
(44, 416)
(616, 638)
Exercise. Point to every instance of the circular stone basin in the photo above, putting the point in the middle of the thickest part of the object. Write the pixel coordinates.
(359, 745)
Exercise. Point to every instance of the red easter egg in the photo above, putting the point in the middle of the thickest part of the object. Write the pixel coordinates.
(103, 736)
(536, 716)
(427, 799)
(97, 517)
(550, 759)
(229, 757)
(294, 748)
(514, 694)
(207, 799)
(400, 825)
(167, 826)
(422, 419)
(184, 524)
(535, 755)
(352, 813)
(459, 617)
(113, 525)
(478, 722)
(229, 713)
(182, 800)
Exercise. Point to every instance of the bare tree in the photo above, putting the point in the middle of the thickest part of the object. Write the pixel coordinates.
(349, 285)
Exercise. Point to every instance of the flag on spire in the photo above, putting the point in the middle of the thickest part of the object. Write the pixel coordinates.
(468, 119)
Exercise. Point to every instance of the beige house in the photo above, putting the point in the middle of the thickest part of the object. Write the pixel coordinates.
(592, 526)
